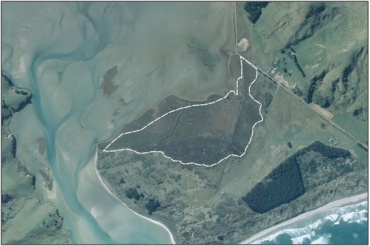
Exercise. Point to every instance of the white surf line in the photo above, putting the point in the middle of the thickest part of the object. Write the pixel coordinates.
(329, 206)
(236, 92)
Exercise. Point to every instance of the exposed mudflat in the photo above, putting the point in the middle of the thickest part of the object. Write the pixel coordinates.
(26, 217)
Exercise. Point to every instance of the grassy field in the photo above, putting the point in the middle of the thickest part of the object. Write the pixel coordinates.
(318, 50)
(316, 53)
(204, 205)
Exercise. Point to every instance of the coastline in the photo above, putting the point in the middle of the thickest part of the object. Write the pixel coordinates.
(338, 203)
(142, 216)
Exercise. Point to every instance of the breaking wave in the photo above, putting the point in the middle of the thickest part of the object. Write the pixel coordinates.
(345, 225)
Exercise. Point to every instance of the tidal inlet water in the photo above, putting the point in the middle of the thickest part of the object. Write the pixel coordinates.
(92, 68)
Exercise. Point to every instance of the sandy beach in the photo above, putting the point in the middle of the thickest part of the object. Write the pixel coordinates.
(146, 218)
(331, 205)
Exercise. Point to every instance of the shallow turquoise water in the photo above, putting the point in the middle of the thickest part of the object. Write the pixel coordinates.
(60, 52)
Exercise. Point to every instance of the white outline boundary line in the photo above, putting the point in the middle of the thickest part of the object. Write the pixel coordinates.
(236, 92)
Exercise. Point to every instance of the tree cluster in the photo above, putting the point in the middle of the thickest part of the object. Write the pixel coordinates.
(254, 9)
(282, 185)
(152, 205)
(325, 150)
(5, 198)
(133, 193)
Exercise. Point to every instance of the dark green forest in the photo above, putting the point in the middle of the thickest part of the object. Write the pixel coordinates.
(282, 185)
(254, 9)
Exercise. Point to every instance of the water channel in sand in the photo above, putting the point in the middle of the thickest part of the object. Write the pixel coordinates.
(60, 51)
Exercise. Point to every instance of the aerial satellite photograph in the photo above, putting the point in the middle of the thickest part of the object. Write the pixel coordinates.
(184, 123)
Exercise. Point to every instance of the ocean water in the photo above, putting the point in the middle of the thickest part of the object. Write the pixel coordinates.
(344, 225)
